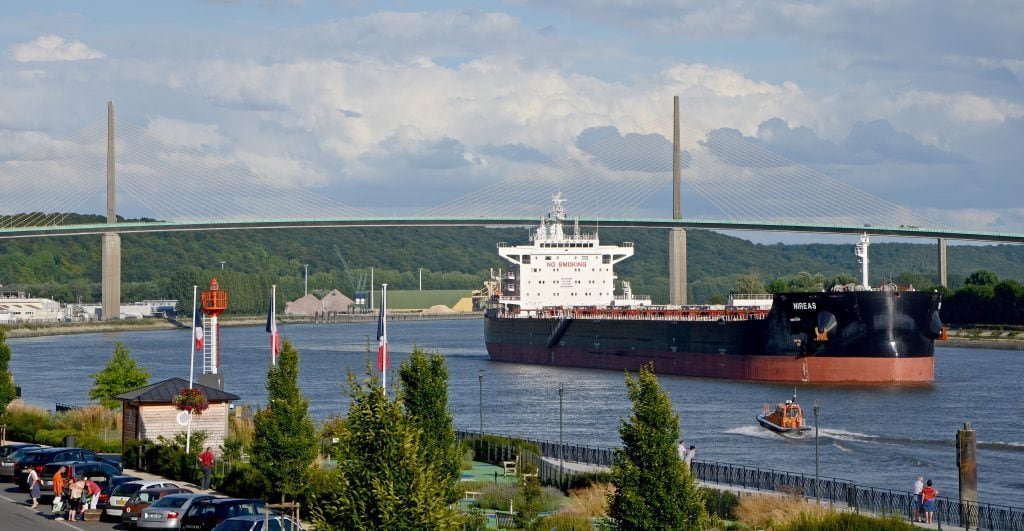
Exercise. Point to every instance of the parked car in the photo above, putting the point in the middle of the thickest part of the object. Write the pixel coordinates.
(206, 514)
(112, 484)
(143, 498)
(42, 457)
(98, 471)
(166, 512)
(8, 461)
(257, 522)
(120, 495)
(10, 448)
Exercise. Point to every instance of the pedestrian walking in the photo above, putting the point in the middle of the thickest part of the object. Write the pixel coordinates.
(918, 487)
(928, 494)
(206, 459)
(33, 486)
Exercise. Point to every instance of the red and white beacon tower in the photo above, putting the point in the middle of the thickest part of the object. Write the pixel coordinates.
(215, 301)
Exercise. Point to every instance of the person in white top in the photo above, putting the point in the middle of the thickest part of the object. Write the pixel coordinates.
(689, 456)
(682, 450)
(33, 482)
(918, 487)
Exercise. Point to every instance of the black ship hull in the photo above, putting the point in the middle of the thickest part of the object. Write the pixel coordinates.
(849, 337)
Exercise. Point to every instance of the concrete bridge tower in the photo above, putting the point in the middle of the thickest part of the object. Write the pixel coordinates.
(111, 254)
(677, 237)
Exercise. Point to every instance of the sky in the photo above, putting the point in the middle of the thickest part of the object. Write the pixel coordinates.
(406, 105)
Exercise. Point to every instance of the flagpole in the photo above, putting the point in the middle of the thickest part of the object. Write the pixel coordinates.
(191, 368)
(273, 315)
(192, 358)
(384, 329)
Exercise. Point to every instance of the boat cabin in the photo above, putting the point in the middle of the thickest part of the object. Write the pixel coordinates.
(786, 416)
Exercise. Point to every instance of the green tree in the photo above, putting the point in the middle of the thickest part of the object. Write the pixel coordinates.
(425, 397)
(528, 513)
(981, 278)
(653, 487)
(7, 390)
(383, 479)
(122, 374)
(749, 284)
(284, 443)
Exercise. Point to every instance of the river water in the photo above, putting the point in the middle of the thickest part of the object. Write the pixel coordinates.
(879, 437)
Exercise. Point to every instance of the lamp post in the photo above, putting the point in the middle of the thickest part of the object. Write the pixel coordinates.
(816, 468)
(305, 281)
(421, 279)
(480, 377)
(561, 445)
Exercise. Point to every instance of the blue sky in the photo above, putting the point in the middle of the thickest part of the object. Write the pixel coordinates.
(917, 101)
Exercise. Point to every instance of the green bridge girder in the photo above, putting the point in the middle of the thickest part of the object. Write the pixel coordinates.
(759, 226)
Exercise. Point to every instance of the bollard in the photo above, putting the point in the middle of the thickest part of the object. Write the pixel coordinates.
(967, 464)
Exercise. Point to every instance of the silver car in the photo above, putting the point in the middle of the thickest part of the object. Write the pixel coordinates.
(166, 512)
(10, 458)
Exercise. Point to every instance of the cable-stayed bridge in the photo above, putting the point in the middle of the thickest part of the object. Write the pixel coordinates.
(610, 177)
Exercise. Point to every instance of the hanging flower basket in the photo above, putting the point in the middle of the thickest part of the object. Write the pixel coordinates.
(191, 400)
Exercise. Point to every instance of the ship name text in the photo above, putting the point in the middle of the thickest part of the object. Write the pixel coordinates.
(805, 306)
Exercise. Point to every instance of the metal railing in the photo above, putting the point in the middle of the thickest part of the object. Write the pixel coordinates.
(841, 492)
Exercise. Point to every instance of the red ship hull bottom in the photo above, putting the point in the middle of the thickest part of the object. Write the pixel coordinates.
(811, 369)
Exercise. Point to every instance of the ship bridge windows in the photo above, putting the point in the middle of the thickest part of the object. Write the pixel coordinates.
(525, 259)
(606, 258)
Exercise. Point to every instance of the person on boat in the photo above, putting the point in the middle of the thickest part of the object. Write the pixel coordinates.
(928, 494)
(918, 487)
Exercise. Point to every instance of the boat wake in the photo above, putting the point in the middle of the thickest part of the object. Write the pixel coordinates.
(838, 435)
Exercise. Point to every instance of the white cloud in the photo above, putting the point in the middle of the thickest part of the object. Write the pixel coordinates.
(188, 134)
(282, 171)
(52, 48)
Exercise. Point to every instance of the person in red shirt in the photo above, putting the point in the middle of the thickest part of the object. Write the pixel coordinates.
(928, 495)
(206, 459)
(94, 493)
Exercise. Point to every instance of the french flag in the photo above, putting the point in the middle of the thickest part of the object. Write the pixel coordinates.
(275, 338)
(382, 331)
(197, 323)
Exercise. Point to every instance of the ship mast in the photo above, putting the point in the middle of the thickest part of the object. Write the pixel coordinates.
(861, 250)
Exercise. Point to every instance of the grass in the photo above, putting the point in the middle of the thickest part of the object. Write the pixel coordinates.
(776, 512)
(90, 421)
(497, 496)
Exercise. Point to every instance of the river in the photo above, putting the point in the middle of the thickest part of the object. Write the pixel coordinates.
(880, 437)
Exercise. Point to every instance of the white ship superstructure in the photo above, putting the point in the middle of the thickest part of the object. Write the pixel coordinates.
(561, 270)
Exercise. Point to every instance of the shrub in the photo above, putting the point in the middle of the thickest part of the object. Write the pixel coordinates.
(842, 521)
(244, 481)
(24, 421)
(590, 501)
(567, 522)
(52, 437)
(90, 421)
(765, 511)
(497, 496)
(720, 503)
(495, 449)
(586, 479)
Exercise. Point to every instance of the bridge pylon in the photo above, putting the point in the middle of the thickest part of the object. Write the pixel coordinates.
(677, 287)
(110, 275)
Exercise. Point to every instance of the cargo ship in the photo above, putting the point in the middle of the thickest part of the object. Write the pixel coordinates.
(557, 305)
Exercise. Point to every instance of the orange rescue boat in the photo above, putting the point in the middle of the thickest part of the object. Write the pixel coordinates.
(786, 419)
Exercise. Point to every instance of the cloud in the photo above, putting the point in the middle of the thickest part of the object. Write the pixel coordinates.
(188, 134)
(283, 171)
(867, 143)
(52, 48)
